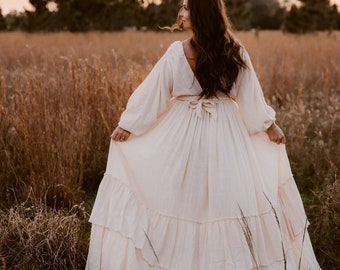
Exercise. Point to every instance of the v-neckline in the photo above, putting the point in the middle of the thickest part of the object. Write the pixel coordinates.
(195, 81)
(186, 59)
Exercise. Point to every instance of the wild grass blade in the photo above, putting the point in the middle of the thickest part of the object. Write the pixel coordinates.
(248, 236)
(279, 225)
(303, 241)
(153, 250)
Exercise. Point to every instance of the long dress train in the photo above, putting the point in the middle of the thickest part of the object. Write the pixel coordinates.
(198, 185)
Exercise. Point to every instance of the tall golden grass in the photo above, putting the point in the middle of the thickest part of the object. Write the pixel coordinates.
(61, 96)
(38, 237)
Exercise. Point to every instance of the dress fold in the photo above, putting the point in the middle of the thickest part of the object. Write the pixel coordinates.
(172, 243)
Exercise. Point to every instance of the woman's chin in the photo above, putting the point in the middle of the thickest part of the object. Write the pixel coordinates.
(185, 27)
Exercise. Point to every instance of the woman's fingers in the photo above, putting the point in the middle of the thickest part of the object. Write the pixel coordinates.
(120, 135)
(117, 136)
(278, 139)
(283, 140)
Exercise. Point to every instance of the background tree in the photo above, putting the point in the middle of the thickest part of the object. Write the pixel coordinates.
(15, 21)
(128, 13)
(39, 19)
(334, 17)
(86, 15)
(70, 15)
(293, 22)
(78, 15)
(165, 14)
(2, 22)
(239, 13)
(338, 19)
(266, 14)
(108, 15)
(313, 15)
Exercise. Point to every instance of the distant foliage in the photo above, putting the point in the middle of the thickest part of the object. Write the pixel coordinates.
(40, 18)
(315, 15)
(160, 15)
(266, 14)
(239, 13)
(2, 22)
(107, 15)
(115, 15)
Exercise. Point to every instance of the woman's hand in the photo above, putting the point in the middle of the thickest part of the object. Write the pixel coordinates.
(276, 134)
(120, 134)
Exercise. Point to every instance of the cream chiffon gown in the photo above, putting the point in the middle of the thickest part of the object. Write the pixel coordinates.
(198, 185)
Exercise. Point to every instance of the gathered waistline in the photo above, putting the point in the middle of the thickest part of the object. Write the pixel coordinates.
(203, 99)
(200, 104)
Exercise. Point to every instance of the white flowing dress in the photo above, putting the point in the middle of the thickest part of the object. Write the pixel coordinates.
(198, 185)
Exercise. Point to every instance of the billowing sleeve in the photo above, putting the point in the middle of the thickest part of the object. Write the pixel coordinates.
(150, 99)
(256, 114)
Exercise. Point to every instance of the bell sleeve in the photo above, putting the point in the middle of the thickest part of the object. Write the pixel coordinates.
(256, 114)
(150, 99)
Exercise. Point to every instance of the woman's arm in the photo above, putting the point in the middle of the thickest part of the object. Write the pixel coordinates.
(148, 101)
(256, 114)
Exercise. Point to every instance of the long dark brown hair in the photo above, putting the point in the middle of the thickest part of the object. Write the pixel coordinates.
(218, 56)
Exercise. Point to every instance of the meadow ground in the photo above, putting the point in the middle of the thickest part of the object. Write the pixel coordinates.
(61, 96)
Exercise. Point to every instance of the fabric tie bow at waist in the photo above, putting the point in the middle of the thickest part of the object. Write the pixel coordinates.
(203, 105)
(200, 105)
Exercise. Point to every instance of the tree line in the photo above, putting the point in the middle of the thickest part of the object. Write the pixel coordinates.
(115, 15)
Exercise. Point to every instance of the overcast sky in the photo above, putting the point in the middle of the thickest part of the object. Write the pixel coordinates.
(21, 5)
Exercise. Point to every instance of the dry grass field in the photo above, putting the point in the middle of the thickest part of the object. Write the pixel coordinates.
(61, 96)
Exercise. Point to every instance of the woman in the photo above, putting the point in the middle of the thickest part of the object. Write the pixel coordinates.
(194, 180)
